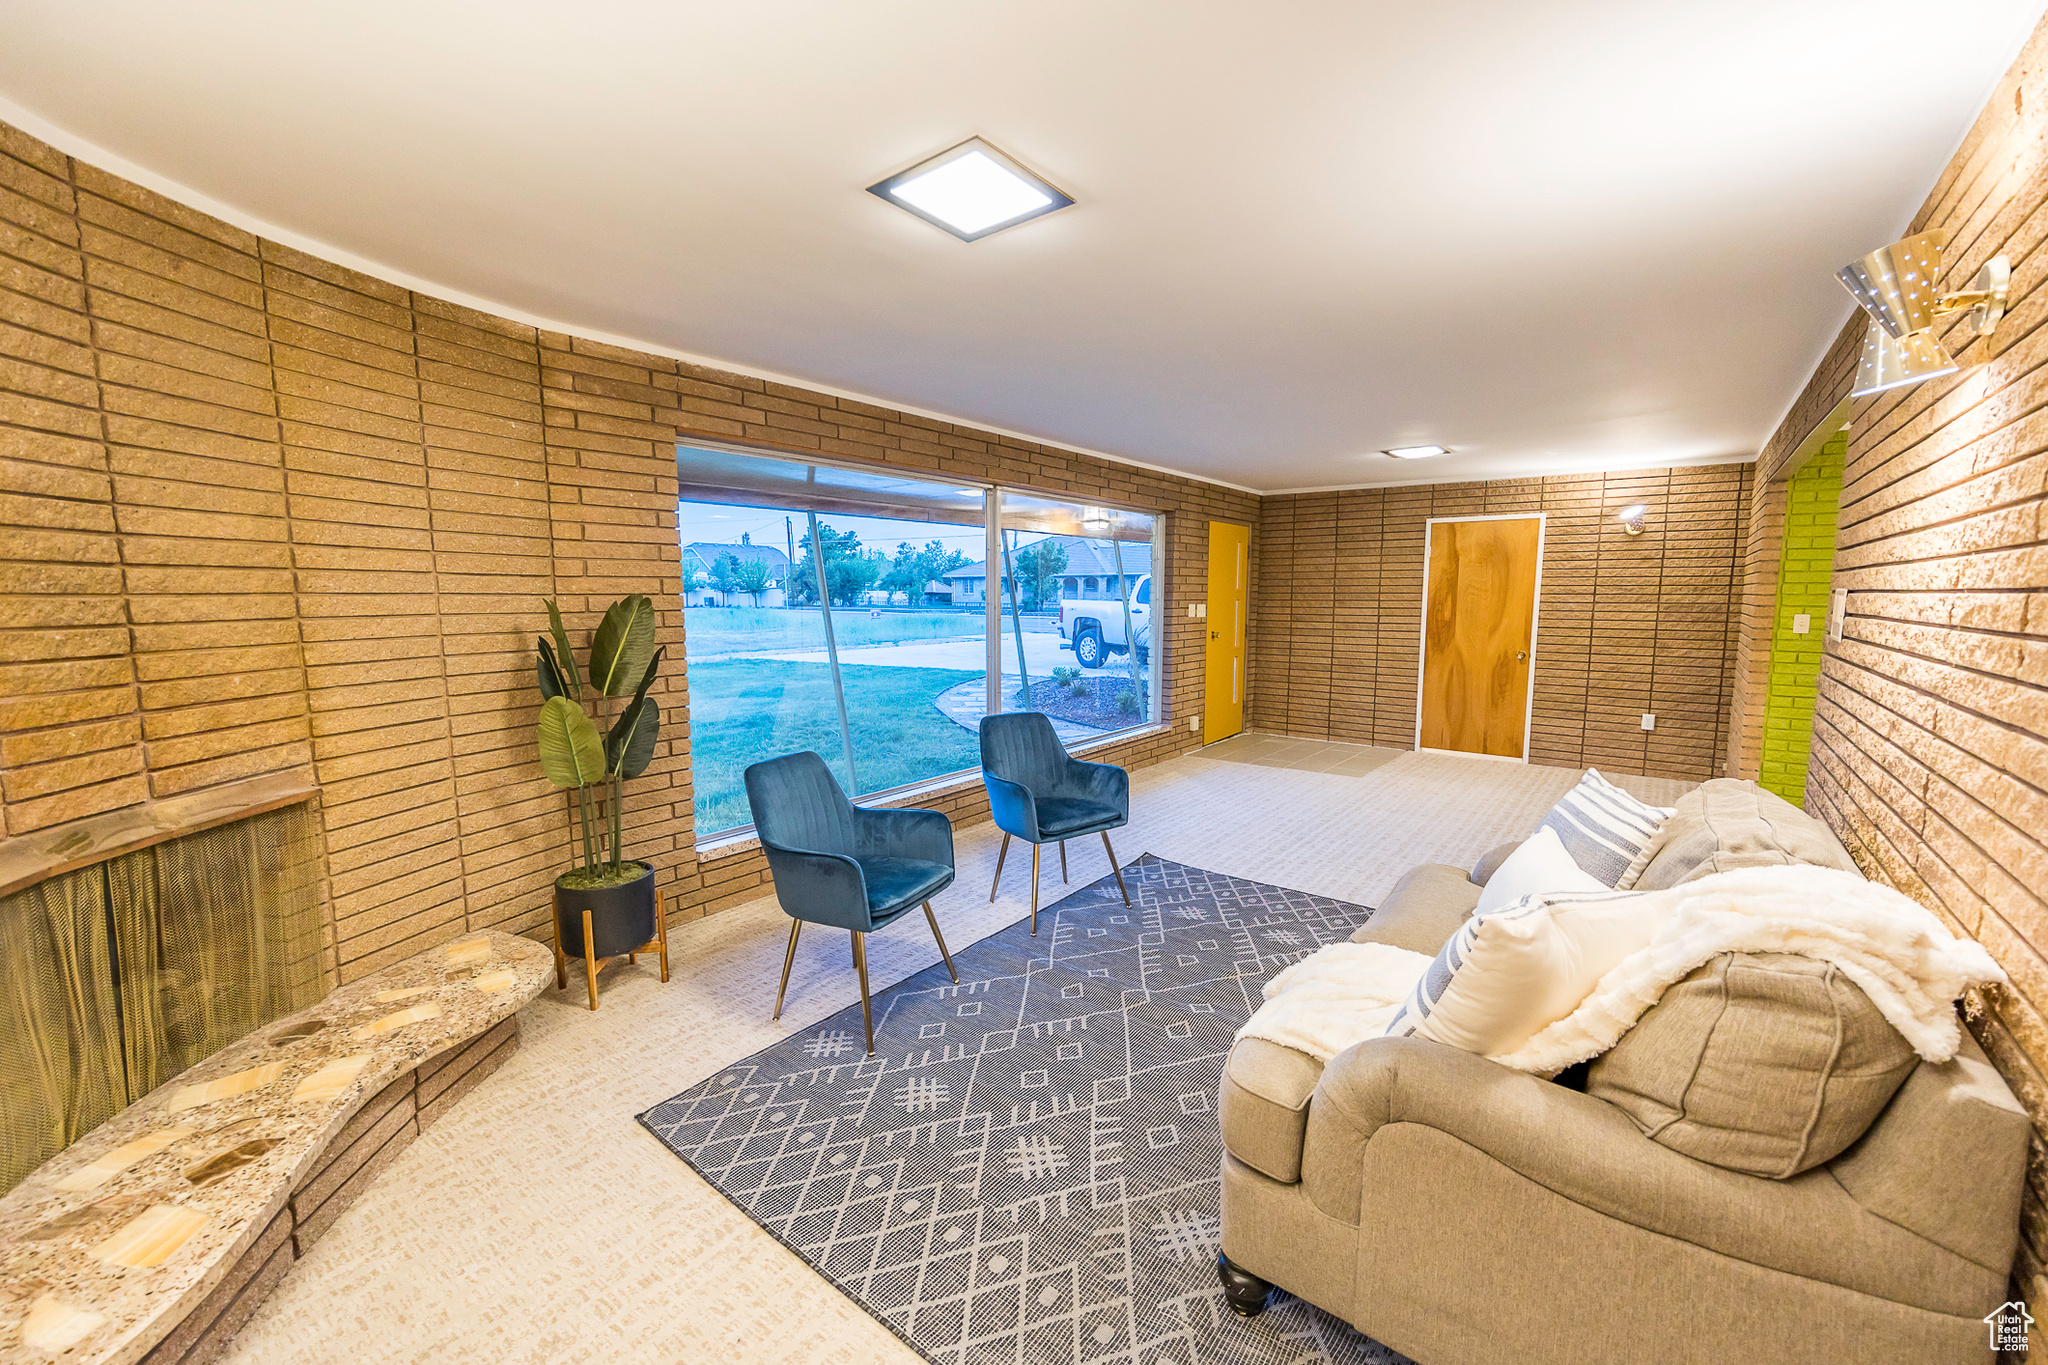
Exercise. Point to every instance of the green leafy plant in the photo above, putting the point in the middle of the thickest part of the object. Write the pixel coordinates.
(623, 663)
(1071, 680)
(1127, 703)
(753, 579)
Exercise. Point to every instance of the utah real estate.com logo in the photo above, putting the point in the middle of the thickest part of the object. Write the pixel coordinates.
(2009, 1326)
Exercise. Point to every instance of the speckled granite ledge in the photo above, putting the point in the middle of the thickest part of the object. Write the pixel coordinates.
(154, 1237)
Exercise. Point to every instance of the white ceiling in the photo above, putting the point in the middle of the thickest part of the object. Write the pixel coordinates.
(1551, 234)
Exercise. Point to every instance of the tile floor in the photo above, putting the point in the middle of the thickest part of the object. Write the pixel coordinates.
(1302, 755)
(538, 1224)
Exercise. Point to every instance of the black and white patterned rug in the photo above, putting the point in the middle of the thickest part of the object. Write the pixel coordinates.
(1027, 1169)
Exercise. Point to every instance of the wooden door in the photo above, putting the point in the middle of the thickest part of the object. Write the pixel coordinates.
(1478, 635)
(1229, 603)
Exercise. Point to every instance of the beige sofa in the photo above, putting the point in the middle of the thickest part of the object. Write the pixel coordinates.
(1460, 1211)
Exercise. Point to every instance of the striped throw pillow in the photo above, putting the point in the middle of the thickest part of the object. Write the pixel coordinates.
(1609, 833)
(1507, 974)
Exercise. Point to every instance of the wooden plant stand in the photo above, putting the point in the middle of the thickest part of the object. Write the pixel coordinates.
(657, 944)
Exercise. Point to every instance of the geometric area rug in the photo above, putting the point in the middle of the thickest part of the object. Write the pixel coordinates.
(1027, 1170)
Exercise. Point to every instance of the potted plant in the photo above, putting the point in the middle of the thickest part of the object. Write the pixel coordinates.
(605, 905)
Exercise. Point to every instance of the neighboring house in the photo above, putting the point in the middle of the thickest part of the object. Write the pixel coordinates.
(1090, 571)
(701, 557)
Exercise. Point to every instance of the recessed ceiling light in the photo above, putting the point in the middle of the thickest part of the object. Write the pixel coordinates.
(1415, 452)
(971, 191)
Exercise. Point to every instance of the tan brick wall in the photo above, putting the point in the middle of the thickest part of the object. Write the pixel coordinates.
(262, 513)
(1930, 746)
(1627, 624)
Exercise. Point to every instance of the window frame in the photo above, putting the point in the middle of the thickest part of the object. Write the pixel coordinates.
(991, 602)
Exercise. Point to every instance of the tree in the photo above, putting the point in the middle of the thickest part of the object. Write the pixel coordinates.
(849, 571)
(902, 574)
(911, 570)
(725, 574)
(1038, 570)
(753, 578)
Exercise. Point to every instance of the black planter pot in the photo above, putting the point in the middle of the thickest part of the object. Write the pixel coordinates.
(622, 918)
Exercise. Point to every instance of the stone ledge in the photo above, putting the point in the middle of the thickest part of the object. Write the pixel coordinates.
(30, 858)
(155, 1237)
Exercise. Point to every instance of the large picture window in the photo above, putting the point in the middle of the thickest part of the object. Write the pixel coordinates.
(853, 613)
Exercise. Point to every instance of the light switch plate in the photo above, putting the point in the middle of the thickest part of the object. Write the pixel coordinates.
(1838, 609)
(1802, 622)
(1202, 610)
(1195, 723)
(1192, 613)
(1649, 720)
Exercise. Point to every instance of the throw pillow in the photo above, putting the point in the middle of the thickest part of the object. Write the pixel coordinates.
(1540, 864)
(1504, 976)
(1757, 1062)
(1608, 832)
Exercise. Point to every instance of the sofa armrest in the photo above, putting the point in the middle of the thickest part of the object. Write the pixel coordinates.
(1483, 870)
(1431, 902)
(1394, 1091)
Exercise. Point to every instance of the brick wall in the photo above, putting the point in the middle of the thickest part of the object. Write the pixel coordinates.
(1806, 562)
(1627, 624)
(1930, 741)
(264, 514)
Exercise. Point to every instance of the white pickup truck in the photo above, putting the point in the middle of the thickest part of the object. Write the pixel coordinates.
(1094, 626)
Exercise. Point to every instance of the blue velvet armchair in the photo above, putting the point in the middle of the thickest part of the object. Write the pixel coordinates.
(840, 864)
(1040, 795)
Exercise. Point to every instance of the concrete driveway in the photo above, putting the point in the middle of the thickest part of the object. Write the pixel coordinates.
(1042, 653)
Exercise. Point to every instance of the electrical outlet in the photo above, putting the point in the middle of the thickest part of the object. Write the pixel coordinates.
(1649, 720)
(1802, 622)
(1195, 724)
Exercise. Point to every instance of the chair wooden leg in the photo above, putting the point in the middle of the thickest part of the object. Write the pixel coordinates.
(1003, 853)
(788, 956)
(1034, 889)
(1114, 868)
(1063, 862)
(860, 967)
(942, 942)
(589, 959)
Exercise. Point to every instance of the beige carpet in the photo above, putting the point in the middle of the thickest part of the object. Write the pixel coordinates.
(537, 1222)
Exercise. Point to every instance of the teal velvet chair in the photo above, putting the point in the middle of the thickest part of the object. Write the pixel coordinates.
(840, 864)
(1039, 794)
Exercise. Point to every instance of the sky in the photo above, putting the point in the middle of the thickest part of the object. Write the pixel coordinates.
(723, 525)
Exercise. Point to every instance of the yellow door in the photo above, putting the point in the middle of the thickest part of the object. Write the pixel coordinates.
(1229, 603)
(1478, 631)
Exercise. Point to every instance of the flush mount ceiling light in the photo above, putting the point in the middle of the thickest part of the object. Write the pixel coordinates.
(1895, 285)
(971, 191)
(1416, 452)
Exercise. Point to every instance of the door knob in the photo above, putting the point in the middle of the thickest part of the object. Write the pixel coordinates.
(1212, 634)
(1521, 656)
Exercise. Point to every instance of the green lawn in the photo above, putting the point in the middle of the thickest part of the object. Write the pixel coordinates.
(728, 630)
(745, 710)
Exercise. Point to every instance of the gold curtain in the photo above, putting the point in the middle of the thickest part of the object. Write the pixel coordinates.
(214, 934)
(60, 1037)
(217, 934)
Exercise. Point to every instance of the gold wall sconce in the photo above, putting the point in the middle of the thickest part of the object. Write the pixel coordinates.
(1632, 518)
(1895, 285)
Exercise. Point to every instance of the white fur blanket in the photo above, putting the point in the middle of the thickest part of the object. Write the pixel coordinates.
(1901, 956)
